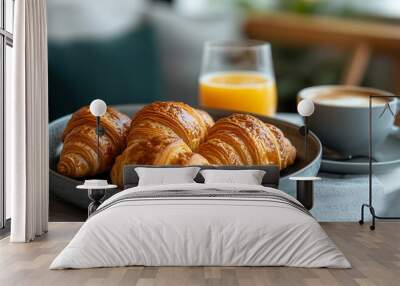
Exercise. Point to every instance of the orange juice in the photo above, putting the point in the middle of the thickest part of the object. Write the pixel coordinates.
(241, 91)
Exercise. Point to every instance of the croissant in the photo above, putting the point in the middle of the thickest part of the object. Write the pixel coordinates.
(242, 139)
(79, 154)
(164, 133)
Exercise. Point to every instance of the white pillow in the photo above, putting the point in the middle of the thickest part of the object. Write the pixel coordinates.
(248, 177)
(165, 176)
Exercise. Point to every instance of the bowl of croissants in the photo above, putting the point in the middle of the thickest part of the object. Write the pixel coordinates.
(171, 133)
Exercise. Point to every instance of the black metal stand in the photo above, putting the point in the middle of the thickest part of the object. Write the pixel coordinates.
(305, 185)
(99, 133)
(303, 130)
(305, 193)
(96, 196)
(305, 190)
(370, 205)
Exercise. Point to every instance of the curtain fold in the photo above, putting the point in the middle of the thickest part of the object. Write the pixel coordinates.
(26, 123)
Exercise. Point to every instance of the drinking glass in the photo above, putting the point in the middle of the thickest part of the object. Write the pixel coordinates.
(238, 76)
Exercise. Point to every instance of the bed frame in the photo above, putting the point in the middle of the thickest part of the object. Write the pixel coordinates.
(270, 179)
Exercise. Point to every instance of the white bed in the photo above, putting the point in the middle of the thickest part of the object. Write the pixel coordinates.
(246, 225)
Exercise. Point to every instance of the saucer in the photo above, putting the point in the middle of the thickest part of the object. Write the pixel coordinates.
(386, 157)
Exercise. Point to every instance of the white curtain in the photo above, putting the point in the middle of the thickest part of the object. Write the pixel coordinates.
(26, 124)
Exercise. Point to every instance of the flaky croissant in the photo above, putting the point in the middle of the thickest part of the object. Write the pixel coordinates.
(164, 133)
(242, 139)
(79, 154)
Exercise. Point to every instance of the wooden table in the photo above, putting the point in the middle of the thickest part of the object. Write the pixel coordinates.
(362, 38)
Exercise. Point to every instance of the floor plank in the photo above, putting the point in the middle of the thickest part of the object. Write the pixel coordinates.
(375, 257)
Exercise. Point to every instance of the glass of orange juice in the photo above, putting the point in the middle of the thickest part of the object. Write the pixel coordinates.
(238, 76)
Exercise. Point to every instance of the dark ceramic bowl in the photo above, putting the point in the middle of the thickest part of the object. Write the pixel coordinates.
(65, 187)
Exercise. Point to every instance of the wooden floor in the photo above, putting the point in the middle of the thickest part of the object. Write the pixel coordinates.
(375, 257)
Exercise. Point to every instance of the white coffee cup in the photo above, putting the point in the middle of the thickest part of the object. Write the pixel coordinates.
(341, 116)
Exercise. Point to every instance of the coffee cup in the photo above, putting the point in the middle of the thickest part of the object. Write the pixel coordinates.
(341, 117)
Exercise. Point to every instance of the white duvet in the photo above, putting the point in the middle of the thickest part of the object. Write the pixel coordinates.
(200, 231)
